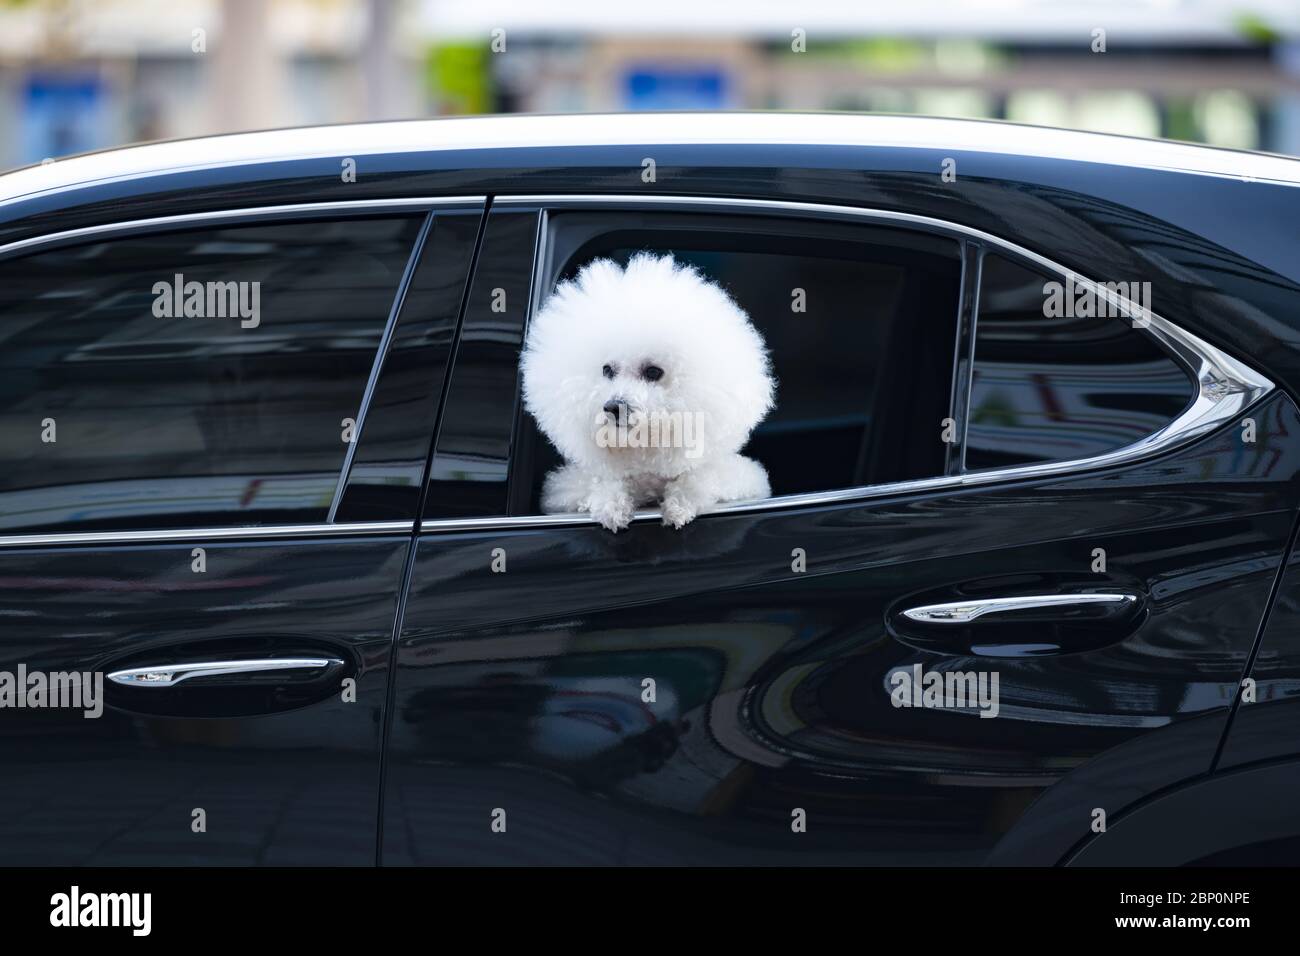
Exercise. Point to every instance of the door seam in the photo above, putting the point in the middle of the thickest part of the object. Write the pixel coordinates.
(1274, 590)
(408, 569)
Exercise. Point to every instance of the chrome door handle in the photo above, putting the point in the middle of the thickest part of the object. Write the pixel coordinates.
(169, 675)
(964, 612)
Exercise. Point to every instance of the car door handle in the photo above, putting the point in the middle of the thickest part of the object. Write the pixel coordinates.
(169, 675)
(1021, 625)
(1072, 605)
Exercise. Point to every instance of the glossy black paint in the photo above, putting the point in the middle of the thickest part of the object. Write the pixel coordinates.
(523, 690)
(1216, 821)
(1267, 722)
(280, 786)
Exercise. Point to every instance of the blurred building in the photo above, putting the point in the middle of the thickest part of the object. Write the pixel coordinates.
(84, 74)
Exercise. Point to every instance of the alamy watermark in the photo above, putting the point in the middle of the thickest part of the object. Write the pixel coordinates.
(945, 690)
(1071, 299)
(652, 430)
(209, 300)
(53, 690)
(76, 908)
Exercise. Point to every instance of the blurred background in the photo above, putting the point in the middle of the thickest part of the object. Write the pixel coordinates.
(77, 75)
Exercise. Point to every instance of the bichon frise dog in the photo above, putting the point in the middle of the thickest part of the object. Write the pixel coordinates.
(648, 380)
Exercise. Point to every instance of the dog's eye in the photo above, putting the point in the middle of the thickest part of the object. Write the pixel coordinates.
(607, 371)
(652, 373)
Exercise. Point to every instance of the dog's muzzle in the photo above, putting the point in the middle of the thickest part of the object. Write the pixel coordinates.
(620, 412)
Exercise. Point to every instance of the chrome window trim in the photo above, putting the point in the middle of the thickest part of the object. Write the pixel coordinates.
(963, 380)
(252, 213)
(1227, 386)
(191, 535)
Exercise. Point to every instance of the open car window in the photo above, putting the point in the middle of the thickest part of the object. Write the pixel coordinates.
(860, 323)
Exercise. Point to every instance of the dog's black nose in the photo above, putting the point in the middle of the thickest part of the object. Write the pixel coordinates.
(617, 409)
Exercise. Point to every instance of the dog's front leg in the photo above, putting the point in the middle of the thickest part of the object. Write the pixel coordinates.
(610, 502)
(733, 478)
(685, 496)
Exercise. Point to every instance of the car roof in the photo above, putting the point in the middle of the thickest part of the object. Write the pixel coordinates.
(641, 130)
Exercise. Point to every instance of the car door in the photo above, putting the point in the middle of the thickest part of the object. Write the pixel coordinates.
(215, 431)
(1022, 535)
(1268, 711)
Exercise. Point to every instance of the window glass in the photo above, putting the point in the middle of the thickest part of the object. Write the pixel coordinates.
(189, 378)
(1053, 380)
(859, 321)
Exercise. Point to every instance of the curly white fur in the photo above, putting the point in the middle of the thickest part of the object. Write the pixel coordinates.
(630, 438)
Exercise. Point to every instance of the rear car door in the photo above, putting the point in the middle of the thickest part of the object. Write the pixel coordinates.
(1023, 534)
(214, 433)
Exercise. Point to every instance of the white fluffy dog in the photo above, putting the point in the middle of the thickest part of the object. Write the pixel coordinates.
(648, 380)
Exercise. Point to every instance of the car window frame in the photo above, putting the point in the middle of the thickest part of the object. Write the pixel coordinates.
(572, 239)
(256, 215)
(1222, 387)
(1227, 386)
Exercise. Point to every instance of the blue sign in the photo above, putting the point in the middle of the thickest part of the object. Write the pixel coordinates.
(61, 114)
(675, 88)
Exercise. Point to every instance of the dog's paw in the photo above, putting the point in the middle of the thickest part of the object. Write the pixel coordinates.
(678, 511)
(614, 514)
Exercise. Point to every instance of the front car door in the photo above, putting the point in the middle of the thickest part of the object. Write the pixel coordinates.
(215, 430)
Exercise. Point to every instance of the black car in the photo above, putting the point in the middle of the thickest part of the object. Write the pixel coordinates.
(275, 585)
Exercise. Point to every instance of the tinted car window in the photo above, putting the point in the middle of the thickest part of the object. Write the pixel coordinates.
(189, 378)
(859, 321)
(1052, 384)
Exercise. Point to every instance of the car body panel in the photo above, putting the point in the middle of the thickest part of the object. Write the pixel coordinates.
(267, 769)
(294, 787)
(773, 687)
(1267, 720)
(523, 691)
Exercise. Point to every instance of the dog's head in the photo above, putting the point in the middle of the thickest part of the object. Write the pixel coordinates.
(649, 367)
